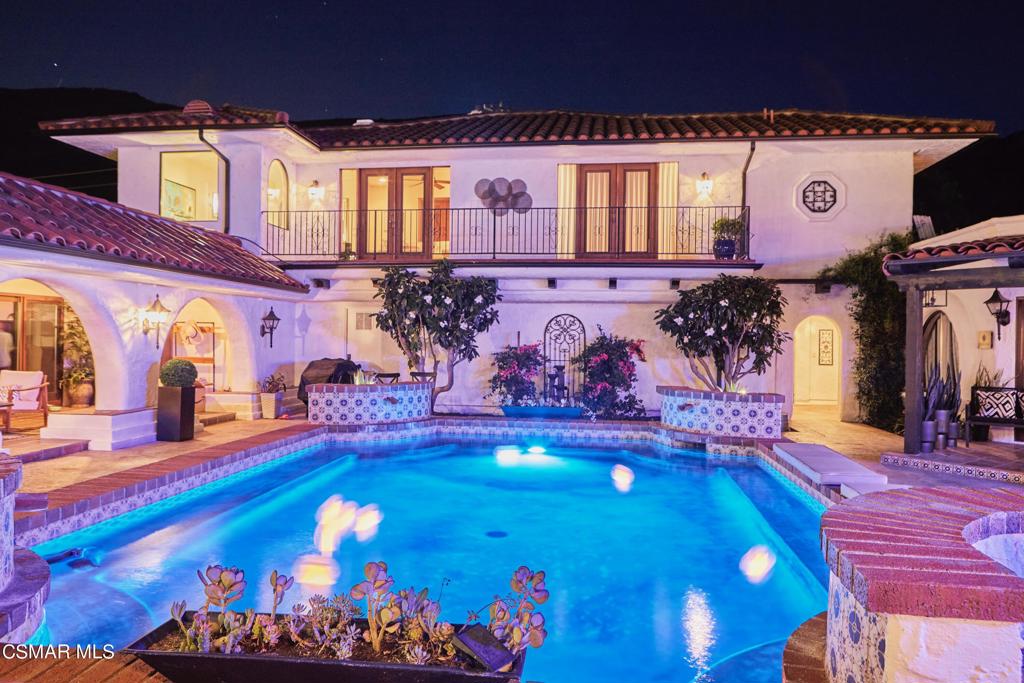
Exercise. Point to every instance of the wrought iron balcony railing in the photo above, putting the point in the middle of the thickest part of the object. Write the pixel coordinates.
(591, 233)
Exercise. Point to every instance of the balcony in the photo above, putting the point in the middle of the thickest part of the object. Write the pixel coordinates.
(621, 235)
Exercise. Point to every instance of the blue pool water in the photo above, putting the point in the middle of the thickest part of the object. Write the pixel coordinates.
(645, 585)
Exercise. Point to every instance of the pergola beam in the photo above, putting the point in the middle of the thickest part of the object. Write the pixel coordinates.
(966, 278)
(914, 368)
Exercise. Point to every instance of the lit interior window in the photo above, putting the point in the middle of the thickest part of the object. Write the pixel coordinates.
(190, 186)
(277, 187)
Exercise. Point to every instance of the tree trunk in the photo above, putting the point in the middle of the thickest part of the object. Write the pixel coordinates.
(449, 381)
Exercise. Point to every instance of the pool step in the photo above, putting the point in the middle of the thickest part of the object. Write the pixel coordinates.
(214, 418)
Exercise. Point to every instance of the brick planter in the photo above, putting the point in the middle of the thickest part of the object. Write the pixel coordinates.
(911, 595)
(722, 413)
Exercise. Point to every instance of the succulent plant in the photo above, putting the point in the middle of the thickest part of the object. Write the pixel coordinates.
(222, 586)
(408, 622)
(514, 620)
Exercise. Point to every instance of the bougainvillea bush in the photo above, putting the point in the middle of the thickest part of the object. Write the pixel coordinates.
(514, 382)
(372, 622)
(436, 320)
(609, 376)
(727, 328)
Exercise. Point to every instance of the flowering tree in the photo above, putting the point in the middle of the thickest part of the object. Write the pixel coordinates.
(609, 366)
(727, 328)
(436, 320)
(516, 369)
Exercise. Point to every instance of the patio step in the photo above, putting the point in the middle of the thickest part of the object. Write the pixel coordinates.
(291, 405)
(214, 418)
(825, 467)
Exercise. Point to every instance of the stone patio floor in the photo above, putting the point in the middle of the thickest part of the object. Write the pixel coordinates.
(47, 475)
(866, 444)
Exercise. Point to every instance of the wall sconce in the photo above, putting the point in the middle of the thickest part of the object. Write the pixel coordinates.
(273, 193)
(999, 307)
(315, 192)
(153, 317)
(268, 324)
(704, 186)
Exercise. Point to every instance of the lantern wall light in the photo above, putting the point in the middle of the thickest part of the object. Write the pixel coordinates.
(268, 324)
(154, 317)
(315, 192)
(704, 185)
(999, 307)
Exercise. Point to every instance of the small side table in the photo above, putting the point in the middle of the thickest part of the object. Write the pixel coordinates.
(5, 415)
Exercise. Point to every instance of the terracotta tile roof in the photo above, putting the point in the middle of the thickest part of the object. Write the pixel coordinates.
(40, 215)
(489, 128)
(949, 254)
(567, 126)
(196, 113)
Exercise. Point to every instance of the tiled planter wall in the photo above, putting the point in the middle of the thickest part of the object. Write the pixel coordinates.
(10, 480)
(369, 404)
(722, 413)
(24, 576)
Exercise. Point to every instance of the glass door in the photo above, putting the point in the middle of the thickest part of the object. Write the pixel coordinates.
(394, 219)
(616, 214)
(10, 332)
(41, 336)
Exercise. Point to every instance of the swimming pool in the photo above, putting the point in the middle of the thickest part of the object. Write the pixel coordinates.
(645, 575)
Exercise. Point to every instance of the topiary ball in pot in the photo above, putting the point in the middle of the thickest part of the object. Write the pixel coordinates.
(178, 373)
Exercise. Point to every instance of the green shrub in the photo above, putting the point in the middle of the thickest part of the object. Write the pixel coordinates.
(178, 373)
(878, 309)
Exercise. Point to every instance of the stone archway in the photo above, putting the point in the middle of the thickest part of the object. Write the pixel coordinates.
(111, 384)
(229, 344)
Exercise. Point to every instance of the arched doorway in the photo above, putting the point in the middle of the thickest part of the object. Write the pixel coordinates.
(40, 332)
(199, 335)
(940, 349)
(817, 362)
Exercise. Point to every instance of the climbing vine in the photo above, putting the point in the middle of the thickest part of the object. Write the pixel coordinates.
(878, 309)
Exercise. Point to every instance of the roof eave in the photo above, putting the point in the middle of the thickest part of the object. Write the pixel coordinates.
(80, 253)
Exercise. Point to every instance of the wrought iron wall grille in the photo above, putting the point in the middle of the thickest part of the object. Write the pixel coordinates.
(564, 339)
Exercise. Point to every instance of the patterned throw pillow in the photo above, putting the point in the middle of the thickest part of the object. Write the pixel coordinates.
(997, 404)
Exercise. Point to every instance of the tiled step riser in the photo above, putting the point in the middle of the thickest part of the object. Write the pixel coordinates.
(956, 469)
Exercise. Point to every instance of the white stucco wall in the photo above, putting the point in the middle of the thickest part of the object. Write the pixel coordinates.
(108, 297)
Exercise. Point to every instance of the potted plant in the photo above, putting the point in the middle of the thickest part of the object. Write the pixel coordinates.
(176, 401)
(947, 408)
(272, 390)
(78, 373)
(932, 395)
(369, 635)
(514, 384)
(727, 232)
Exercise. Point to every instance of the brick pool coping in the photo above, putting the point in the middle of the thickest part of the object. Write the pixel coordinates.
(908, 551)
(88, 502)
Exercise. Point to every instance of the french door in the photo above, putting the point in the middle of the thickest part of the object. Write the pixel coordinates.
(394, 216)
(36, 325)
(616, 214)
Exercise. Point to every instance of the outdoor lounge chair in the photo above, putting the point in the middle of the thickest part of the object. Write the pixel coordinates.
(25, 392)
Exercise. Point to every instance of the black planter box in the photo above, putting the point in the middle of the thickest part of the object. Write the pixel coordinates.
(197, 667)
(175, 413)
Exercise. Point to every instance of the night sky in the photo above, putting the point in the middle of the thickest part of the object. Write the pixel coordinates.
(329, 58)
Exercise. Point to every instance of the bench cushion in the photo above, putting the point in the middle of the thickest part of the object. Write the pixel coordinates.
(13, 380)
(1000, 404)
(824, 466)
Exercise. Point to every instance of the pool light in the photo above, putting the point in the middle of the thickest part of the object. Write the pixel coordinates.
(316, 570)
(368, 519)
(757, 564)
(622, 478)
(536, 450)
(508, 456)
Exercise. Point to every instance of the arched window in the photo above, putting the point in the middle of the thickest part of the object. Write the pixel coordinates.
(940, 345)
(277, 187)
